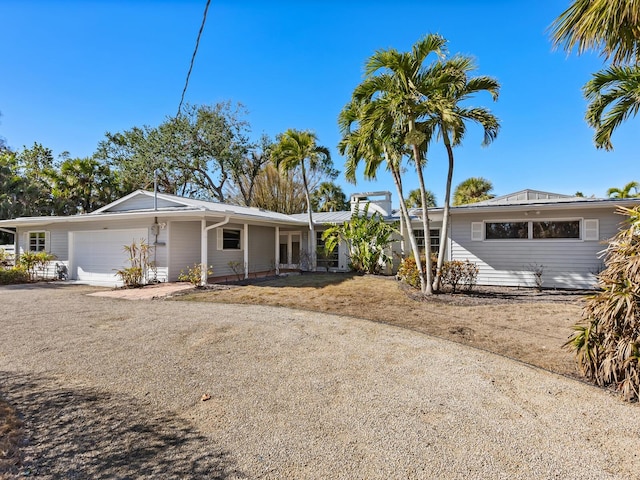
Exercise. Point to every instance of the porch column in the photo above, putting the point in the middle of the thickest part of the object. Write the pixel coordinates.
(246, 250)
(277, 255)
(204, 249)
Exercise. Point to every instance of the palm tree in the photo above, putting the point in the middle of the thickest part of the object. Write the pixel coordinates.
(414, 200)
(448, 86)
(298, 150)
(614, 95)
(625, 192)
(395, 76)
(329, 197)
(472, 190)
(371, 136)
(612, 26)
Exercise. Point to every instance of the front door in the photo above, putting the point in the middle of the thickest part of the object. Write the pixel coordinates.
(289, 247)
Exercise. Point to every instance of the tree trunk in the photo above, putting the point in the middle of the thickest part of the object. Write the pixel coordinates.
(312, 232)
(428, 288)
(445, 218)
(407, 220)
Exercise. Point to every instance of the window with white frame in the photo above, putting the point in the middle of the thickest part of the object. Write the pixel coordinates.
(37, 241)
(532, 230)
(231, 239)
(434, 239)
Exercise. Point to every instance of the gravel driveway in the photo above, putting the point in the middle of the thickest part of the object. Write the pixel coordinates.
(112, 388)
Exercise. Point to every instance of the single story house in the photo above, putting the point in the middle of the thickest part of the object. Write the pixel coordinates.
(508, 237)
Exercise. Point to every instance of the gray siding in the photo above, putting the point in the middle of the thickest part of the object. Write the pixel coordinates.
(142, 202)
(566, 263)
(262, 249)
(183, 247)
(220, 259)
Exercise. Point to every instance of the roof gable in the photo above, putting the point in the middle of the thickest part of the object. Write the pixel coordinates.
(141, 200)
(524, 196)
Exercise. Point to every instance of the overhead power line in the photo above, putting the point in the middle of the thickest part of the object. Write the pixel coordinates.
(193, 57)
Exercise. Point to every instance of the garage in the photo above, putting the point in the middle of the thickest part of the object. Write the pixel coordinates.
(96, 255)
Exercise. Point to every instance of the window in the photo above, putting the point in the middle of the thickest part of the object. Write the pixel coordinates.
(434, 239)
(504, 230)
(231, 239)
(527, 230)
(37, 241)
(324, 260)
(557, 229)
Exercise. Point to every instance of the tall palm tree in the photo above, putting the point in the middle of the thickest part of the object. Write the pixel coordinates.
(395, 76)
(445, 116)
(298, 150)
(614, 96)
(372, 137)
(625, 192)
(612, 26)
(472, 190)
(329, 197)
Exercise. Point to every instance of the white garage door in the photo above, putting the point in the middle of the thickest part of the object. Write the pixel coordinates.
(97, 255)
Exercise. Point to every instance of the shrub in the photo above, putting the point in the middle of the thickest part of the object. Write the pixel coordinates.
(607, 339)
(456, 273)
(368, 238)
(32, 262)
(136, 274)
(193, 274)
(13, 275)
(408, 270)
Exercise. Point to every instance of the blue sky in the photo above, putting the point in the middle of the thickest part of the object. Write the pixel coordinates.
(73, 70)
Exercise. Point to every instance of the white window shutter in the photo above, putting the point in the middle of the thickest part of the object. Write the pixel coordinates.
(219, 238)
(592, 230)
(476, 231)
(47, 241)
(25, 242)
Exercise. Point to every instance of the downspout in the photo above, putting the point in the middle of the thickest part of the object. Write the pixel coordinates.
(204, 244)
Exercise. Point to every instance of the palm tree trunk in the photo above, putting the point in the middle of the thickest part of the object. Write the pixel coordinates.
(397, 179)
(445, 218)
(312, 233)
(428, 288)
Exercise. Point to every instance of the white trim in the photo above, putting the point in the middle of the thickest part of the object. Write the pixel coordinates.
(591, 229)
(477, 231)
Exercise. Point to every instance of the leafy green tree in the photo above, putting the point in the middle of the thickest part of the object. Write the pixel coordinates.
(413, 200)
(191, 153)
(607, 341)
(245, 172)
(329, 197)
(368, 237)
(298, 150)
(472, 190)
(397, 77)
(625, 192)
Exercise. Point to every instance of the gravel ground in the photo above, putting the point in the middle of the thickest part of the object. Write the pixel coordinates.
(111, 388)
